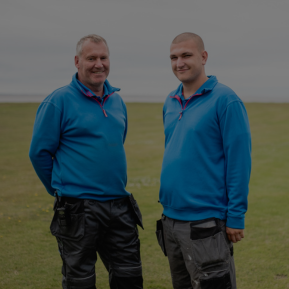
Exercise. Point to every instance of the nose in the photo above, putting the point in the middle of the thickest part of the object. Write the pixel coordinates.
(180, 63)
(98, 63)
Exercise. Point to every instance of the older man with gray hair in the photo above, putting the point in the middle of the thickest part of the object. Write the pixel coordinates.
(77, 152)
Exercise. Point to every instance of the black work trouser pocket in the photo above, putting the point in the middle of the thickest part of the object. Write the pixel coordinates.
(136, 211)
(210, 249)
(74, 230)
(217, 282)
(160, 236)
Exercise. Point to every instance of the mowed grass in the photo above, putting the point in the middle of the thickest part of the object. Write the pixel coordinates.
(29, 256)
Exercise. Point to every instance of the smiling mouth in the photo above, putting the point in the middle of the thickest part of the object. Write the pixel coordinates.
(97, 72)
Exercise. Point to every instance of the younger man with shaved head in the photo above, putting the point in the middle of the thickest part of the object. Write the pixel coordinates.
(77, 151)
(205, 172)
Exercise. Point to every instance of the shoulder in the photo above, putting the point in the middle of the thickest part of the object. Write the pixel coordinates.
(57, 97)
(226, 99)
(117, 101)
(169, 98)
(116, 97)
(225, 95)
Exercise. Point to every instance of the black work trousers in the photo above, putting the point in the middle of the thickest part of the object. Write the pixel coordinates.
(108, 228)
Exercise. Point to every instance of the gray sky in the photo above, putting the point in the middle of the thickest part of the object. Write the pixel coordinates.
(247, 42)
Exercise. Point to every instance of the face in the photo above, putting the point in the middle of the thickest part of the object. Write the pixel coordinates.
(93, 64)
(188, 61)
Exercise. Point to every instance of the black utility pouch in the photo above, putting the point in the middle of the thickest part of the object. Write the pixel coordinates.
(63, 216)
(160, 236)
(136, 211)
(68, 221)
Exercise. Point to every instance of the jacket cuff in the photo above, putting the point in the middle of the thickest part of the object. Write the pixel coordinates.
(235, 222)
(51, 191)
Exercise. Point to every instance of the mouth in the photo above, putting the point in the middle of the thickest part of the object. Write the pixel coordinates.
(98, 72)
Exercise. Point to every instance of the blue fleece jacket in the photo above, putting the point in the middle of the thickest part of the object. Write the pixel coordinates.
(207, 159)
(77, 143)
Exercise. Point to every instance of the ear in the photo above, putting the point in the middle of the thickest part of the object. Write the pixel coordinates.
(76, 61)
(204, 57)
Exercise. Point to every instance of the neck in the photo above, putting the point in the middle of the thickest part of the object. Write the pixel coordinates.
(98, 91)
(190, 88)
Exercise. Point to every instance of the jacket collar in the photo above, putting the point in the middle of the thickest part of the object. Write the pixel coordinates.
(107, 88)
(206, 87)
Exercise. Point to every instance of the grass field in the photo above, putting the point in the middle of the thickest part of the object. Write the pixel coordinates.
(28, 252)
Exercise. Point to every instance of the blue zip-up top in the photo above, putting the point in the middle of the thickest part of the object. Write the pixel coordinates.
(77, 143)
(207, 159)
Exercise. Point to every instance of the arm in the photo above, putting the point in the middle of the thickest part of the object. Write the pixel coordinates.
(125, 130)
(45, 141)
(236, 136)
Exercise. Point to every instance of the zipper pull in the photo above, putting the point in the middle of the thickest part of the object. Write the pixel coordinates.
(181, 114)
(104, 112)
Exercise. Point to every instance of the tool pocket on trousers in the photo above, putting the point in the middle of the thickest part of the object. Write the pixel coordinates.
(210, 249)
(136, 211)
(160, 236)
(74, 229)
(223, 281)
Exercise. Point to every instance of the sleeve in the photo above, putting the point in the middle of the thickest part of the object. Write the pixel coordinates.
(164, 112)
(236, 136)
(45, 141)
(125, 115)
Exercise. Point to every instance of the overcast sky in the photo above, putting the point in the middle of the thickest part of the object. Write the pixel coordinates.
(247, 42)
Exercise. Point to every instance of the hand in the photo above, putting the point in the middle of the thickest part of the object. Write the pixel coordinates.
(235, 235)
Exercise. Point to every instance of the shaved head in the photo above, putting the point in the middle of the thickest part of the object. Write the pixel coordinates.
(190, 36)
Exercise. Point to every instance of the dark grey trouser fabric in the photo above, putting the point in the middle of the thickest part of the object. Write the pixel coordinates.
(108, 228)
(200, 254)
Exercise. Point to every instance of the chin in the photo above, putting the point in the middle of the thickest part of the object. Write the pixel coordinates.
(183, 79)
(98, 80)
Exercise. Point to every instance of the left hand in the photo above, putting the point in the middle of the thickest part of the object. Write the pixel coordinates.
(235, 235)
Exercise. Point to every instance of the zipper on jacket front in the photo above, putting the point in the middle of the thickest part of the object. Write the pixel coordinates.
(101, 105)
(181, 103)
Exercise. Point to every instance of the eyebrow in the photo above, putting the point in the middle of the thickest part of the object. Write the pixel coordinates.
(94, 56)
(187, 52)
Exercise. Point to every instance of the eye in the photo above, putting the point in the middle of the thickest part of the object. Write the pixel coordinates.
(187, 55)
(173, 58)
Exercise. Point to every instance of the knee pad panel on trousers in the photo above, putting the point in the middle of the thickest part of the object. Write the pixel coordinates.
(78, 283)
(127, 272)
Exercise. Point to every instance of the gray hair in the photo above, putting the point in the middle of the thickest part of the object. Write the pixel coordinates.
(92, 37)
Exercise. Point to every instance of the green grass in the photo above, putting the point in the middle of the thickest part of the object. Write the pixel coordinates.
(28, 252)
